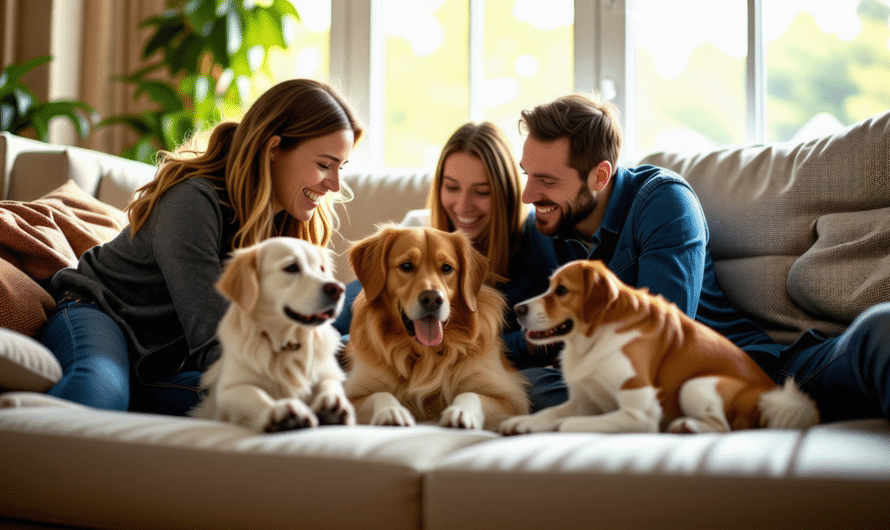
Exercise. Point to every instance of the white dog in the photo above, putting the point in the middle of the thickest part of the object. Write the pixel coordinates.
(278, 369)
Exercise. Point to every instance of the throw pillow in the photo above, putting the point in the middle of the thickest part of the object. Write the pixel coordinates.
(25, 364)
(847, 270)
(45, 235)
(24, 305)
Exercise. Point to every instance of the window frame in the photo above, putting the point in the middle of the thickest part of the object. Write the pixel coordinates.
(603, 61)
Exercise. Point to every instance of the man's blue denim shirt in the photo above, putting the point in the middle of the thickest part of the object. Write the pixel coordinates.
(654, 235)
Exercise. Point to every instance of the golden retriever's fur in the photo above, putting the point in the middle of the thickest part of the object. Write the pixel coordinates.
(425, 339)
(278, 369)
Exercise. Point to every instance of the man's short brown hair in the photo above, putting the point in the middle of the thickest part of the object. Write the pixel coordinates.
(590, 124)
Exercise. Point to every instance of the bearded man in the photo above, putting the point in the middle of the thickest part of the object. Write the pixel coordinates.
(647, 225)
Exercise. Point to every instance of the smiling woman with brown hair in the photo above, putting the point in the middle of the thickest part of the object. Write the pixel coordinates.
(145, 302)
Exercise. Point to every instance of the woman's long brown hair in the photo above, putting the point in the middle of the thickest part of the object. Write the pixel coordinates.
(237, 160)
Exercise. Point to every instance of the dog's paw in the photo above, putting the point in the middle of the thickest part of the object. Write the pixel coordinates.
(396, 416)
(459, 418)
(525, 424)
(289, 414)
(333, 409)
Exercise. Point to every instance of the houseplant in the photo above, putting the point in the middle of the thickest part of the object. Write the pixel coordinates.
(21, 110)
(198, 54)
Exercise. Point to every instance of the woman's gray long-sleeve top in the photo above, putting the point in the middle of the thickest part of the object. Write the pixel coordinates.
(159, 286)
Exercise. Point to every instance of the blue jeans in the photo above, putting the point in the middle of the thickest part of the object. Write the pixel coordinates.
(848, 376)
(92, 350)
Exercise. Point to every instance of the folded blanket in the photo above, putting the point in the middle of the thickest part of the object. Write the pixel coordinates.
(45, 235)
(40, 237)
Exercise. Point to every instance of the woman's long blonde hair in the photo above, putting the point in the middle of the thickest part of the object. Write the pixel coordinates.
(486, 142)
(237, 160)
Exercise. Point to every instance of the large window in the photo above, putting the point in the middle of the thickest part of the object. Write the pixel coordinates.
(687, 74)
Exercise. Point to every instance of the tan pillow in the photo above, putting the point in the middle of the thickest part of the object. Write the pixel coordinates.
(25, 364)
(847, 270)
(24, 305)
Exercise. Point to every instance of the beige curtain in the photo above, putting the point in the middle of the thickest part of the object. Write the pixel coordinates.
(91, 42)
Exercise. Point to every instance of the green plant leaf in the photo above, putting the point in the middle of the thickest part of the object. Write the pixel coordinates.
(13, 72)
(162, 38)
(7, 116)
(285, 8)
(218, 41)
(24, 99)
(189, 52)
(82, 116)
(161, 93)
(133, 121)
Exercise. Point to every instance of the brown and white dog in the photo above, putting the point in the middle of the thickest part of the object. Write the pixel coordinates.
(425, 341)
(278, 369)
(634, 362)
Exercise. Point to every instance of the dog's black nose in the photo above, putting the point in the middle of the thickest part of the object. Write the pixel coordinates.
(521, 309)
(431, 300)
(333, 290)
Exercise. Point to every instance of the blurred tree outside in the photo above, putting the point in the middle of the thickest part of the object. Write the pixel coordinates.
(818, 79)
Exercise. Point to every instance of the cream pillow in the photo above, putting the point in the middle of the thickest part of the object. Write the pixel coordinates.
(847, 270)
(25, 364)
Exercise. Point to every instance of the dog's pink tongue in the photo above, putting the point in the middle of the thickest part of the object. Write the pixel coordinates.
(428, 331)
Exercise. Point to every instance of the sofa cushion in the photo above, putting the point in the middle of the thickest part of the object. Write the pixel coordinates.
(110, 178)
(25, 364)
(856, 243)
(743, 479)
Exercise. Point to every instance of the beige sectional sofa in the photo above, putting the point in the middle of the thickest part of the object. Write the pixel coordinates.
(800, 235)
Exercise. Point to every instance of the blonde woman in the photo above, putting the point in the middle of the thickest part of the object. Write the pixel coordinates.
(143, 309)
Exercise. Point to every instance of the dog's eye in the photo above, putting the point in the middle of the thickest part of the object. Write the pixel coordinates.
(561, 290)
(292, 268)
(447, 268)
(406, 266)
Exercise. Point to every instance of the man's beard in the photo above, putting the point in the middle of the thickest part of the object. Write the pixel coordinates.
(564, 227)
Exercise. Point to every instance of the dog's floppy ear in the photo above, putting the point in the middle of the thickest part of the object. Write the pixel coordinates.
(240, 279)
(475, 269)
(368, 260)
(601, 289)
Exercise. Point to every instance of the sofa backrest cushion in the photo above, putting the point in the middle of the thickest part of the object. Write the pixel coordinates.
(788, 208)
(379, 198)
(109, 178)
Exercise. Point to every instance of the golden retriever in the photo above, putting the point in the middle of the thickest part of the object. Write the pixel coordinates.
(635, 362)
(425, 341)
(278, 369)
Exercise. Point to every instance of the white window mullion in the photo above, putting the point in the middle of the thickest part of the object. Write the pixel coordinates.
(357, 68)
(756, 75)
(476, 53)
(606, 44)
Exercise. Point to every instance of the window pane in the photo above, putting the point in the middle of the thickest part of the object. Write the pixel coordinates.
(308, 54)
(427, 77)
(828, 65)
(690, 58)
(528, 59)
